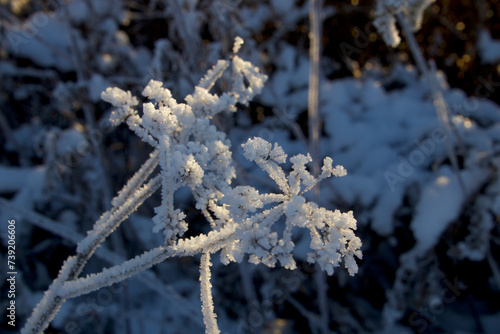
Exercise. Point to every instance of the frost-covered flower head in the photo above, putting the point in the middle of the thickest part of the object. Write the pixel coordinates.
(332, 232)
(195, 154)
(192, 151)
(385, 20)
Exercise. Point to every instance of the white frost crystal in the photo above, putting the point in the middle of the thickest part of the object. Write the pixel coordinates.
(193, 153)
(332, 232)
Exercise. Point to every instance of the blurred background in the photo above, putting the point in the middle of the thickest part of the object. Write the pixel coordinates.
(429, 226)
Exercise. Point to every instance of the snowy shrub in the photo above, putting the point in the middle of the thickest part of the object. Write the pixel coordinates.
(192, 152)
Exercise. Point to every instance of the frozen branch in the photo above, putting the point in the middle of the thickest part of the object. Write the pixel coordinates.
(207, 303)
(191, 152)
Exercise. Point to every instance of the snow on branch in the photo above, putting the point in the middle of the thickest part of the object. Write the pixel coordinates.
(191, 152)
(332, 232)
(207, 303)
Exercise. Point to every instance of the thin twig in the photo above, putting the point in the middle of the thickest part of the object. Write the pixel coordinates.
(207, 303)
(413, 45)
(213, 242)
(149, 278)
(322, 287)
(313, 94)
(49, 306)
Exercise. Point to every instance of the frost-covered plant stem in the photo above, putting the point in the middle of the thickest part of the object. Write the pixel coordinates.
(212, 242)
(207, 303)
(124, 204)
(413, 45)
(192, 152)
(149, 278)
